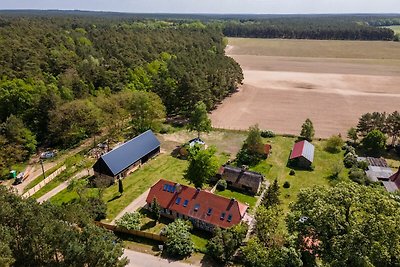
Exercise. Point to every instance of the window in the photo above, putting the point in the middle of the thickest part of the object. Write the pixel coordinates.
(196, 207)
(165, 187)
(172, 189)
(185, 203)
(178, 200)
(209, 211)
(230, 218)
(222, 216)
(168, 188)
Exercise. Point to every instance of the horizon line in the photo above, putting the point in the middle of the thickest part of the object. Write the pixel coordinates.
(191, 13)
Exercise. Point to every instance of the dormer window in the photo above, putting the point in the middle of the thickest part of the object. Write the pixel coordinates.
(196, 207)
(209, 211)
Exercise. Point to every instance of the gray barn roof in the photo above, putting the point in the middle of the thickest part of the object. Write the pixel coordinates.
(122, 157)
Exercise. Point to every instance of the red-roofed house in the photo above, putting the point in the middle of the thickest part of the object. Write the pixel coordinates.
(204, 209)
(302, 154)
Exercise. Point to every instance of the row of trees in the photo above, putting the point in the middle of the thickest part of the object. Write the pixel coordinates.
(48, 235)
(321, 28)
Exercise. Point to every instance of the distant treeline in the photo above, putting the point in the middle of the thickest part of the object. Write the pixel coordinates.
(307, 28)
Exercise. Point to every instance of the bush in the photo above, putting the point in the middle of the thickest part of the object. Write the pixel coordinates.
(362, 165)
(245, 157)
(96, 208)
(286, 184)
(336, 170)
(222, 185)
(166, 128)
(358, 175)
(334, 144)
(292, 172)
(374, 142)
(349, 149)
(179, 242)
(267, 134)
(350, 160)
(130, 221)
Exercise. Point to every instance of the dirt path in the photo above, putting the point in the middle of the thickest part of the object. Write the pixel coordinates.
(138, 259)
(139, 202)
(64, 185)
(35, 165)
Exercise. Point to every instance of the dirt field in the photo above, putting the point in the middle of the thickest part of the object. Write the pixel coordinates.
(331, 82)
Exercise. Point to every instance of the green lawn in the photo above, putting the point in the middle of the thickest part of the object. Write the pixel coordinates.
(395, 28)
(163, 166)
(246, 199)
(227, 142)
(323, 161)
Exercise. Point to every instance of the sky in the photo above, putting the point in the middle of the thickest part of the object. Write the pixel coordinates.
(213, 6)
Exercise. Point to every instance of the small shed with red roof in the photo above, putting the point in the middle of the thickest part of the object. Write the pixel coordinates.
(204, 209)
(302, 154)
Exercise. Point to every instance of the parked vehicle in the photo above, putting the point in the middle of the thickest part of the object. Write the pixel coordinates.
(20, 177)
(48, 155)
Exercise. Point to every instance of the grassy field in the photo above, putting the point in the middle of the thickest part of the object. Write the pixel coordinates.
(315, 48)
(163, 166)
(227, 142)
(323, 161)
(395, 28)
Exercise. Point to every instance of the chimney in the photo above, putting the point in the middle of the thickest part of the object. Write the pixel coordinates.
(233, 200)
(178, 188)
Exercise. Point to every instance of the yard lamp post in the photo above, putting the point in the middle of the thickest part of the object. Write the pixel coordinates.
(41, 163)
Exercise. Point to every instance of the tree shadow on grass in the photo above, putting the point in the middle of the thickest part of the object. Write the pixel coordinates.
(114, 198)
(148, 225)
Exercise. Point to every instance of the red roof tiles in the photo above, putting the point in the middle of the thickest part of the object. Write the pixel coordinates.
(198, 204)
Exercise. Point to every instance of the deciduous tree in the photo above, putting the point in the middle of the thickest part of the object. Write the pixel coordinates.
(307, 130)
(199, 120)
(374, 142)
(203, 165)
(179, 243)
(350, 225)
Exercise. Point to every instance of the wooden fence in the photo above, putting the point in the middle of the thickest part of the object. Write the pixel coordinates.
(147, 235)
(45, 181)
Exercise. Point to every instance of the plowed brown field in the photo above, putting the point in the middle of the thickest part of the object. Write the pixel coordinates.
(330, 82)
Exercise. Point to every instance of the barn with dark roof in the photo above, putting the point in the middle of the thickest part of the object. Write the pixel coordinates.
(302, 154)
(125, 159)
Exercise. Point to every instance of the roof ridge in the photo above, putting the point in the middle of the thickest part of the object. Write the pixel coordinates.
(127, 142)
